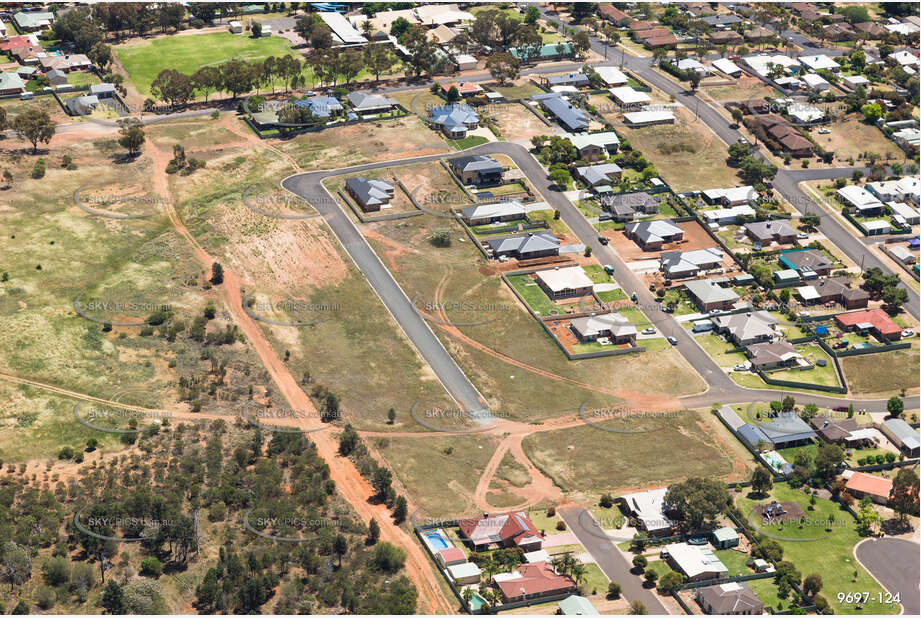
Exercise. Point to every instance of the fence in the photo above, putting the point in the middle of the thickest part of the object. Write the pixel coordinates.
(750, 448)
(275, 131)
(388, 217)
(872, 350)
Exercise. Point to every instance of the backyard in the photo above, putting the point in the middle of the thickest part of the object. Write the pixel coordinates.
(824, 548)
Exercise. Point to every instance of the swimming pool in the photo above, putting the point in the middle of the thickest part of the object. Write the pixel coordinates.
(477, 602)
(436, 540)
(774, 458)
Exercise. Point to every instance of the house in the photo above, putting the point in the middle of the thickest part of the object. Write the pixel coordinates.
(612, 325)
(465, 574)
(27, 54)
(464, 62)
(623, 206)
(321, 107)
(235, 27)
(664, 41)
(11, 83)
(696, 562)
(745, 329)
(902, 435)
(819, 62)
(839, 32)
(721, 20)
(727, 216)
(506, 530)
(787, 430)
(454, 120)
(82, 105)
(574, 605)
(683, 264)
(816, 82)
(852, 81)
(525, 246)
(690, 64)
(870, 29)
(803, 260)
(772, 354)
(33, 21)
(343, 32)
(567, 282)
(709, 296)
(479, 170)
(593, 146)
(533, 581)
(569, 117)
(27, 72)
(540, 555)
(872, 320)
(626, 96)
(612, 76)
(371, 195)
(103, 91)
(448, 14)
(481, 214)
(844, 431)
(614, 15)
(766, 232)
(833, 289)
(648, 118)
(441, 35)
(733, 196)
(905, 188)
(451, 556)
(649, 510)
(874, 487)
(763, 64)
(577, 79)
(368, 103)
(728, 67)
(725, 37)
(758, 34)
(651, 235)
(790, 139)
(724, 538)
(549, 51)
(465, 89)
(785, 277)
(904, 58)
(56, 77)
(597, 175)
(734, 598)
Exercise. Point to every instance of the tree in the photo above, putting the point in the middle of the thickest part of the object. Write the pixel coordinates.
(812, 584)
(762, 480)
(374, 531)
(639, 562)
(113, 599)
(737, 152)
(503, 67)
(560, 177)
(637, 608)
(144, 596)
(378, 59)
(256, 28)
(868, 519)
(872, 112)
(16, 564)
(399, 510)
(827, 460)
(810, 220)
(35, 126)
(173, 87)
(670, 582)
(348, 440)
(903, 498)
(895, 406)
(132, 136)
(650, 576)
(381, 480)
(698, 501)
(340, 546)
(387, 557)
(206, 80)
(895, 297)
(77, 26)
(217, 274)
(614, 590)
(100, 55)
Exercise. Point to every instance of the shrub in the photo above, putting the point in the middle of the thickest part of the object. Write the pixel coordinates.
(45, 597)
(38, 170)
(66, 453)
(640, 562)
(561, 525)
(171, 168)
(151, 567)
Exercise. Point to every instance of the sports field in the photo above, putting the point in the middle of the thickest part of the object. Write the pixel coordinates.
(145, 59)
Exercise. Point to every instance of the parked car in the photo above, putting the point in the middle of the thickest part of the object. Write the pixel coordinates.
(740, 367)
(609, 269)
(841, 408)
(802, 235)
(672, 340)
(908, 332)
(742, 141)
(649, 331)
(839, 345)
(824, 131)
(603, 240)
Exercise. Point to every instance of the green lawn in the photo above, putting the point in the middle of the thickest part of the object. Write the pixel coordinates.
(187, 54)
(532, 294)
(612, 296)
(596, 273)
(468, 142)
(831, 555)
(735, 561)
(825, 376)
(595, 582)
(717, 348)
(79, 79)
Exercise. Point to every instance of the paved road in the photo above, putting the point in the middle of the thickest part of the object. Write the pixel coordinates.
(721, 387)
(611, 562)
(894, 562)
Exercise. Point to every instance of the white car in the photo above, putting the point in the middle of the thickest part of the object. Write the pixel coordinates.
(649, 331)
(824, 131)
(740, 368)
(908, 332)
(802, 235)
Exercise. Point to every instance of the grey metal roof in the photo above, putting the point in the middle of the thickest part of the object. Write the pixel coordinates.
(476, 163)
(654, 230)
(525, 243)
(767, 230)
(571, 117)
(365, 101)
(598, 174)
(370, 192)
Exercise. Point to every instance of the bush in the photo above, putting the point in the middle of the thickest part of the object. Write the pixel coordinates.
(66, 453)
(45, 597)
(640, 562)
(38, 170)
(171, 168)
(606, 502)
(152, 567)
(561, 525)
(614, 590)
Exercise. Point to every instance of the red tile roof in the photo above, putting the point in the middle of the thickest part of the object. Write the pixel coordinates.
(15, 41)
(868, 484)
(516, 527)
(536, 578)
(453, 554)
(639, 25)
(877, 317)
(612, 12)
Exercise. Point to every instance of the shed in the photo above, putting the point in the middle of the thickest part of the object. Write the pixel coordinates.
(724, 538)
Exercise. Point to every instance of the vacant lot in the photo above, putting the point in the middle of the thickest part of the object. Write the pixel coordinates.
(145, 59)
(582, 459)
(516, 122)
(521, 89)
(687, 154)
(865, 378)
(745, 88)
(363, 143)
(14, 107)
(852, 138)
(830, 554)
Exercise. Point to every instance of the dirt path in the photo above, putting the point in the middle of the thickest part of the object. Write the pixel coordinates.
(348, 481)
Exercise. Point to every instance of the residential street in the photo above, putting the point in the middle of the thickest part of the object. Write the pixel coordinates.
(894, 562)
